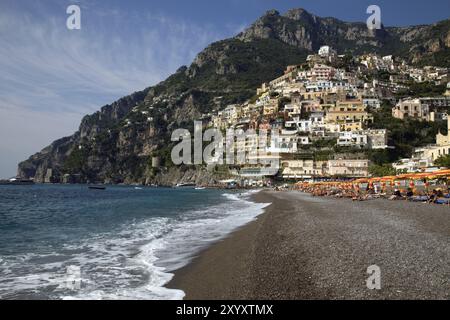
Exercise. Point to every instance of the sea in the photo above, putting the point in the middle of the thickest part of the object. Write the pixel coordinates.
(72, 242)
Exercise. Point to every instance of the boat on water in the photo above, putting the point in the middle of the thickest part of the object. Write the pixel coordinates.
(97, 187)
(200, 188)
(185, 185)
(137, 188)
(17, 182)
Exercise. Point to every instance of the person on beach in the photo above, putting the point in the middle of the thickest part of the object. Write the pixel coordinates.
(432, 197)
(397, 195)
(376, 188)
(409, 194)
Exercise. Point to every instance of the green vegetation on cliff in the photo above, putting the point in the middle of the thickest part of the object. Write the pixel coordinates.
(118, 140)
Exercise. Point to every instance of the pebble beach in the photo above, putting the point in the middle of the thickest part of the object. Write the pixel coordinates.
(306, 247)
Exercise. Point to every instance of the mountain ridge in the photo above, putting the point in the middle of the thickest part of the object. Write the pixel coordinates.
(116, 143)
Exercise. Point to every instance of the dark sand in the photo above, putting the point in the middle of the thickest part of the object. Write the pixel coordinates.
(304, 247)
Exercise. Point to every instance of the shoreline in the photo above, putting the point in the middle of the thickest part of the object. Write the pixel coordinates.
(299, 248)
(229, 245)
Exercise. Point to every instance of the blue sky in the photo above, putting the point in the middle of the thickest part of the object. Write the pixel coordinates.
(50, 76)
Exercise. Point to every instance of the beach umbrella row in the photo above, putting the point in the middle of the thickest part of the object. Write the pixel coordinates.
(392, 180)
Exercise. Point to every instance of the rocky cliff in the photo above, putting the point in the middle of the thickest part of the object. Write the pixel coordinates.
(116, 144)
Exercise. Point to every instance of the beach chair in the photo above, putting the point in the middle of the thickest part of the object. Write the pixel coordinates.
(442, 201)
(419, 198)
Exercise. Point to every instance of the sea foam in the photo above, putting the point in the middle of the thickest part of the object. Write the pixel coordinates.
(170, 245)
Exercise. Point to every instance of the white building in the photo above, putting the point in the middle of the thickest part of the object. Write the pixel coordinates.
(372, 103)
(326, 51)
(376, 138)
(284, 142)
(232, 112)
(420, 108)
(411, 108)
(317, 73)
(352, 139)
(293, 110)
(371, 138)
(315, 120)
(411, 165)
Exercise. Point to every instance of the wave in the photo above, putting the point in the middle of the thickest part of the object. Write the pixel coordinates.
(170, 246)
(134, 261)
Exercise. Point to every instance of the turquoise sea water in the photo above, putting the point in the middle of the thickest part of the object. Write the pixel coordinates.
(70, 242)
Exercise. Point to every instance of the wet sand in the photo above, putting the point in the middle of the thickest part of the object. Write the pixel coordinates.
(306, 247)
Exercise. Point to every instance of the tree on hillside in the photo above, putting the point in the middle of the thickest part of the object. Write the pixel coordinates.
(443, 161)
(381, 170)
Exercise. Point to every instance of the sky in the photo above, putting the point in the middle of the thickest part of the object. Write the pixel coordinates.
(50, 77)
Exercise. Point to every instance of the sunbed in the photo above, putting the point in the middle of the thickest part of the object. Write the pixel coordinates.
(442, 201)
(419, 198)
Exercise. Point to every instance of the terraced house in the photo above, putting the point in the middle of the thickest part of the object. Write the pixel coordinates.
(320, 109)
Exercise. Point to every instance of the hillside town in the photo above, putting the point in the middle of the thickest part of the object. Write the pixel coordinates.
(323, 113)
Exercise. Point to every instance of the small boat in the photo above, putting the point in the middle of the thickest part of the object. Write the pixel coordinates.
(200, 188)
(97, 187)
(185, 185)
(17, 182)
(137, 188)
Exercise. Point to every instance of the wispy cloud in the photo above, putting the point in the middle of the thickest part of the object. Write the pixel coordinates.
(50, 76)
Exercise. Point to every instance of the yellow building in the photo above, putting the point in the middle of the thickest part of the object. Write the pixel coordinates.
(287, 77)
(271, 107)
(263, 89)
(250, 110)
(302, 169)
(218, 122)
(350, 114)
(432, 152)
(308, 169)
(350, 126)
(349, 168)
(313, 95)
